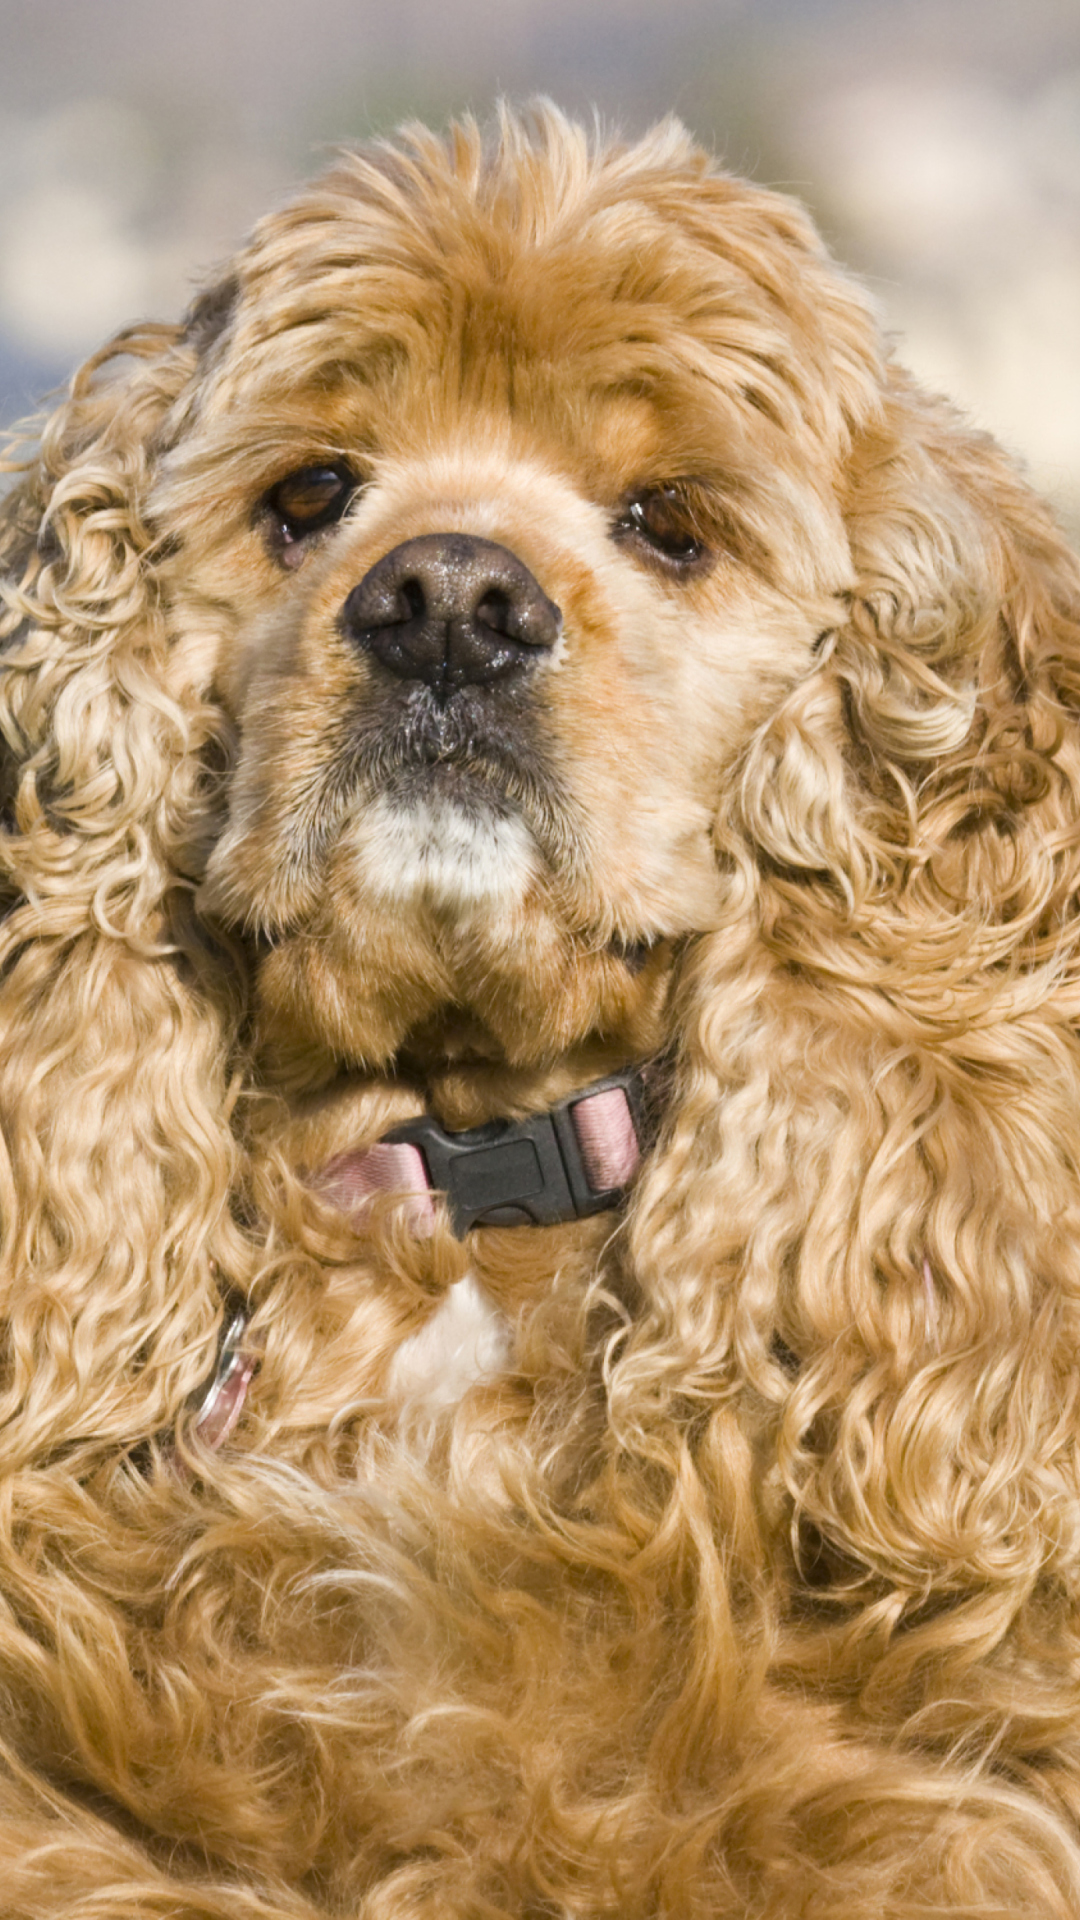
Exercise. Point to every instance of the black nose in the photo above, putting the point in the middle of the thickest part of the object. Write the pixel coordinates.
(451, 610)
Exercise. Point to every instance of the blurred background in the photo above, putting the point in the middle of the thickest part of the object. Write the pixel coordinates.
(937, 142)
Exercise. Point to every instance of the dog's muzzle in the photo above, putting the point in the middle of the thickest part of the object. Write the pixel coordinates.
(452, 611)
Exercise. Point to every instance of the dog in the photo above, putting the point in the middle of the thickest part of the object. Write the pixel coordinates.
(540, 1084)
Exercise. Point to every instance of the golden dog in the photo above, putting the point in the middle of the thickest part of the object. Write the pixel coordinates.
(520, 699)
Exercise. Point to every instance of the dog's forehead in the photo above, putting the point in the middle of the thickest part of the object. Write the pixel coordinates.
(529, 322)
(419, 288)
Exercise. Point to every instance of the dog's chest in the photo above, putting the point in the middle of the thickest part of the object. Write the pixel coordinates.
(466, 1339)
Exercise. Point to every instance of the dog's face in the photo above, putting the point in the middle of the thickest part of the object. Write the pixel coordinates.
(502, 518)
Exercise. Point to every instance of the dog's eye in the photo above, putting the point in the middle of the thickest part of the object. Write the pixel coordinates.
(660, 518)
(311, 498)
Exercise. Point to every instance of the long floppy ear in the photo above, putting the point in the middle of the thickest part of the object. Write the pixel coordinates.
(862, 1238)
(115, 1017)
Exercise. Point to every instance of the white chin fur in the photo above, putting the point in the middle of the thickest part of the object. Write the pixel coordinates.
(443, 854)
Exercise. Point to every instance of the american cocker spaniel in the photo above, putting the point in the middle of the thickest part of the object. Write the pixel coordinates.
(540, 1086)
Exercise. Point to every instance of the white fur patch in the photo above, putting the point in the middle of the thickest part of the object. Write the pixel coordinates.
(452, 858)
(465, 1340)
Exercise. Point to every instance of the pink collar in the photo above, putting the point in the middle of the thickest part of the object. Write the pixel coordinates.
(575, 1160)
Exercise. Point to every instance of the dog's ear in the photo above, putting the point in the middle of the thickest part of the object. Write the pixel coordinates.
(866, 1216)
(117, 1159)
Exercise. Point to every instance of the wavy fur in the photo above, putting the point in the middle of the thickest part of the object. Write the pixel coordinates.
(750, 1586)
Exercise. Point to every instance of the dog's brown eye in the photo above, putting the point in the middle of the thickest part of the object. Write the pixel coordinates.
(310, 498)
(661, 519)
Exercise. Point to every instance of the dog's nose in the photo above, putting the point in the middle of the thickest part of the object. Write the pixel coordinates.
(453, 611)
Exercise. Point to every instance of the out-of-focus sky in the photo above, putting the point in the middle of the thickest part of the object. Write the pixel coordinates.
(937, 141)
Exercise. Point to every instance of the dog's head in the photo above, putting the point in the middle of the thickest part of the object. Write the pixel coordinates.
(503, 506)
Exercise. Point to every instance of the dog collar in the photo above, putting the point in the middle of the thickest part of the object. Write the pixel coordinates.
(573, 1161)
(223, 1402)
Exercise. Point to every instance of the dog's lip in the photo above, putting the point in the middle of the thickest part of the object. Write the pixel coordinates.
(468, 745)
(447, 747)
(475, 786)
(429, 730)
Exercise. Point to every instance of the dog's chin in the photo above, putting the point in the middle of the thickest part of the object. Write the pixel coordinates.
(443, 846)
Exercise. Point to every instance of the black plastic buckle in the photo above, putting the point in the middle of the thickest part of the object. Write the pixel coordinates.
(519, 1172)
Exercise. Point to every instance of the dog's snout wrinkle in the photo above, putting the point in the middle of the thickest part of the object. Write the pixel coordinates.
(451, 610)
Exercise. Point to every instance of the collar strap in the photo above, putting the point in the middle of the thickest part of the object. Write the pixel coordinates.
(577, 1159)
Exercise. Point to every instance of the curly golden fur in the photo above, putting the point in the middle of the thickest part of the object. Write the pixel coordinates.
(746, 1585)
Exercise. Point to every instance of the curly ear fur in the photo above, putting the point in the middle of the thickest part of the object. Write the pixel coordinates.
(865, 1230)
(117, 1020)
